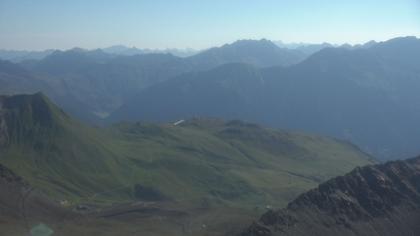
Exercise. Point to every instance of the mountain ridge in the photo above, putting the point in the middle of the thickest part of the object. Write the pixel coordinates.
(55, 144)
(316, 95)
(373, 200)
(260, 53)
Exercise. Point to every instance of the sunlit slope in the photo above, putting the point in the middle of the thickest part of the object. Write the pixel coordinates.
(200, 161)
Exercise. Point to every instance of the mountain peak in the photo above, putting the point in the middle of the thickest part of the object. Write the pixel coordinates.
(25, 117)
(405, 38)
(404, 43)
(252, 42)
(260, 53)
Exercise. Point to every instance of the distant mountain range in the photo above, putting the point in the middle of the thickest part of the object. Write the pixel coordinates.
(378, 200)
(131, 51)
(99, 82)
(364, 93)
(23, 55)
(121, 50)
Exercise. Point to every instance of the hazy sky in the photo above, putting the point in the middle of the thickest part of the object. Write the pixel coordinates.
(62, 24)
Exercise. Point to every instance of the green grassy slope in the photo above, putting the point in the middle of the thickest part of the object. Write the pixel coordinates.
(202, 162)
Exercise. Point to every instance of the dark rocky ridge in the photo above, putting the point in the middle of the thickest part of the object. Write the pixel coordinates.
(22, 207)
(373, 200)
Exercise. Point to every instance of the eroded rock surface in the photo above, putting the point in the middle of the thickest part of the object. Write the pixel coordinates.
(374, 200)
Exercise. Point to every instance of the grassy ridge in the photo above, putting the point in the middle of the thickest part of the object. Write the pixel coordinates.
(201, 161)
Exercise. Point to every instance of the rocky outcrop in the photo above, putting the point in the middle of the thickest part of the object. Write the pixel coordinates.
(373, 200)
(4, 137)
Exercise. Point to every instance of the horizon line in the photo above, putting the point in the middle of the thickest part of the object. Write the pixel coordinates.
(301, 43)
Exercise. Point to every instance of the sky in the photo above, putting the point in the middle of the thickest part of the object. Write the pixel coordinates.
(199, 24)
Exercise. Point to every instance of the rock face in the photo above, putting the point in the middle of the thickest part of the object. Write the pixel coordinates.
(374, 200)
(4, 137)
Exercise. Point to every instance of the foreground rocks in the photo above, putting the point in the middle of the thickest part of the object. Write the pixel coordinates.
(374, 200)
